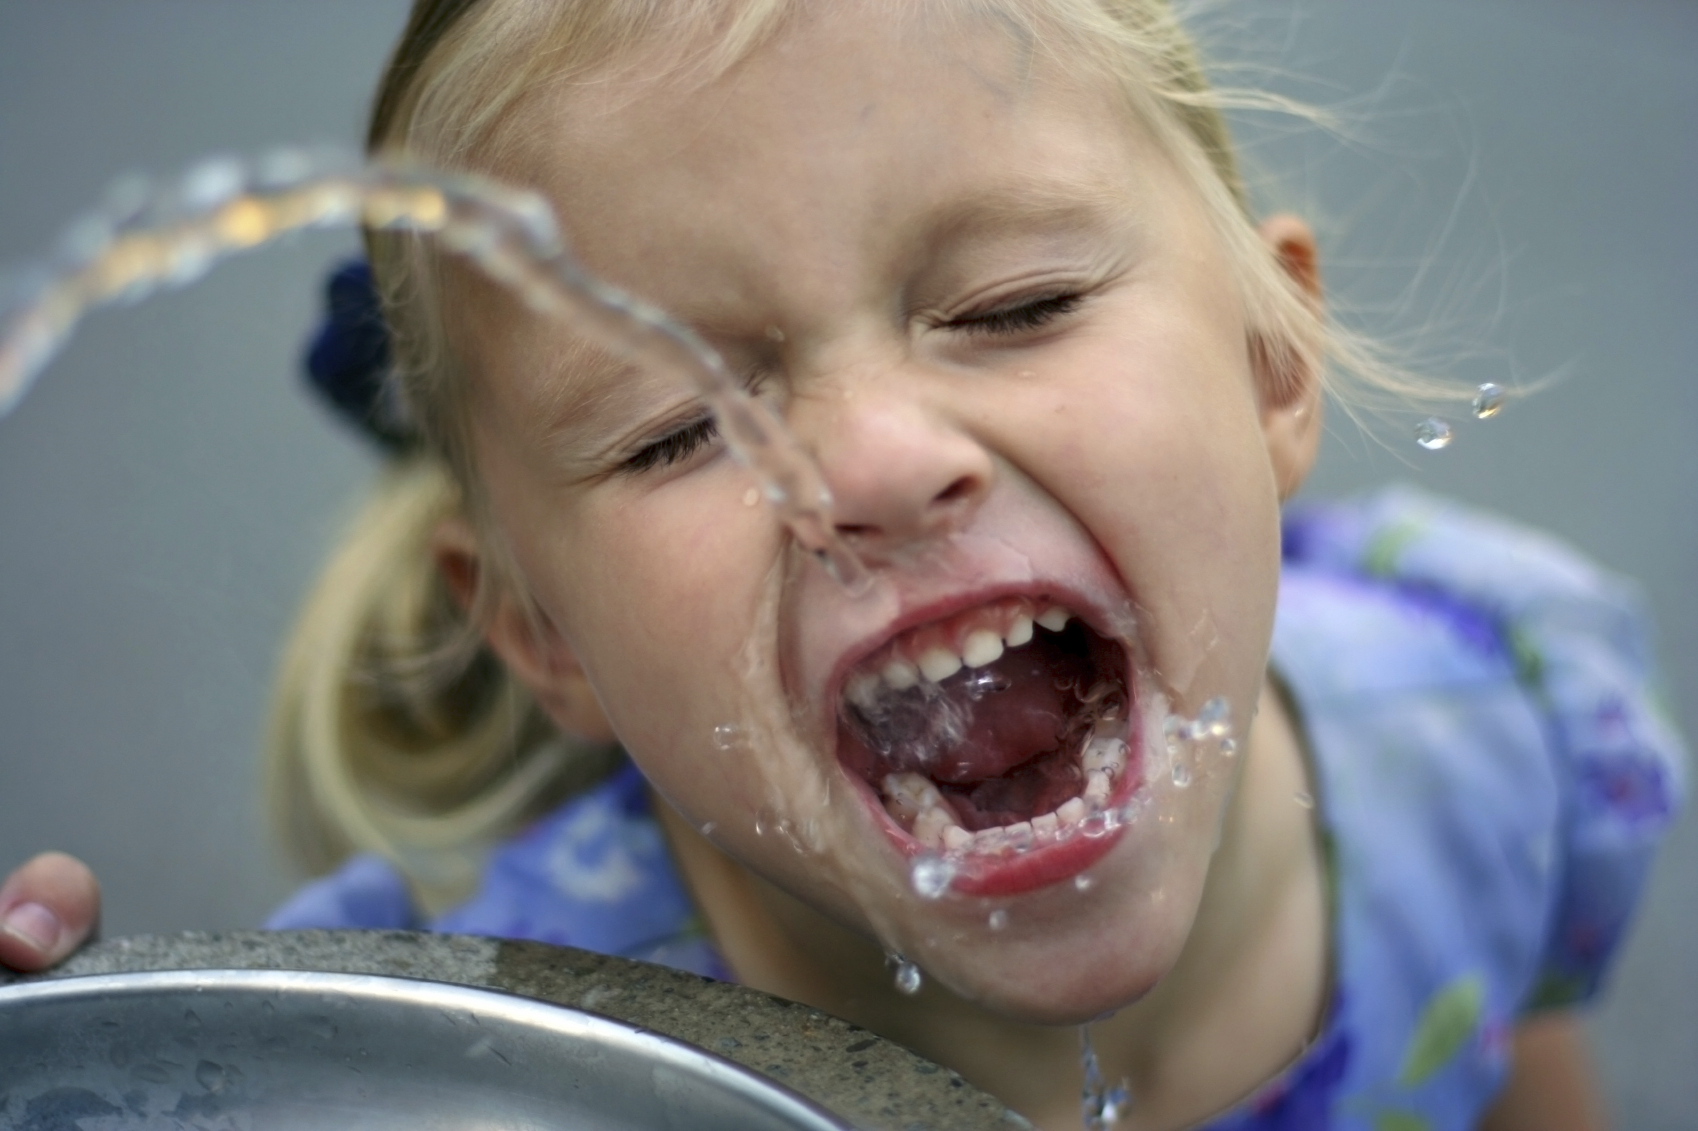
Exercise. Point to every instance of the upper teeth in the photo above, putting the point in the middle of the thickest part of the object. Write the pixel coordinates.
(939, 661)
(981, 647)
(1020, 632)
(900, 674)
(938, 664)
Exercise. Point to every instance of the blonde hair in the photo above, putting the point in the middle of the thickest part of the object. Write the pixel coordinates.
(381, 742)
(389, 738)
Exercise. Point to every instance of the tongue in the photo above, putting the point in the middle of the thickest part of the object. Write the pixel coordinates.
(1024, 717)
(981, 723)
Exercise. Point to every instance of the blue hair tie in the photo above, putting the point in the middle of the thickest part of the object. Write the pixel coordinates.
(348, 362)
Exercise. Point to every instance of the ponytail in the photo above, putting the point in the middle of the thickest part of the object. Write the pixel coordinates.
(393, 729)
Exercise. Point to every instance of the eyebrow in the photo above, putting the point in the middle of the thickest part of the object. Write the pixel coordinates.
(1029, 203)
(580, 382)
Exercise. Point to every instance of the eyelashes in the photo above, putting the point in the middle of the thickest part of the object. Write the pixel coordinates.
(683, 442)
(674, 447)
(1022, 318)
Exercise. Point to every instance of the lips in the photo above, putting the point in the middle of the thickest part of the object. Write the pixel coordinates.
(997, 736)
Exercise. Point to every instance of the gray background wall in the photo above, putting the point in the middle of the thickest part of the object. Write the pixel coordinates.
(1515, 201)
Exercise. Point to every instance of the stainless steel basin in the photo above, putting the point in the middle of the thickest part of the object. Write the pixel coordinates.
(275, 1050)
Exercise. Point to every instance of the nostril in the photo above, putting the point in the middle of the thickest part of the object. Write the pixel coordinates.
(957, 491)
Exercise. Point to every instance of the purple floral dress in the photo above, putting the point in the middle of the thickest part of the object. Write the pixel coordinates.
(1493, 773)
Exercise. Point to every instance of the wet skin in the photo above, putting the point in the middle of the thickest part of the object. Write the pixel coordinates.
(996, 311)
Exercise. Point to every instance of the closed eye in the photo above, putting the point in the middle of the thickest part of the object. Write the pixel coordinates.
(1020, 319)
(672, 448)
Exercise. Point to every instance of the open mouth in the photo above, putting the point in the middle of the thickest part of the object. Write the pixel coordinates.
(999, 730)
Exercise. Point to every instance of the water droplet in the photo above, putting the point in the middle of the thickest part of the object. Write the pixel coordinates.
(1215, 718)
(931, 876)
(1433, 434)
(1181, 773)
(752, 497)
(985, 682)
(187, 261)
(1082, 882)
(212, 182)
(1488, 401)
(774, 334)
(87, 239)
(765, 818)
(998, 920)
(725, 736)
(908, 978)
(1304, 799)
(1101, 1107)
(1173, 730)
(707, 829)
(1097, 825)
(1228, 747)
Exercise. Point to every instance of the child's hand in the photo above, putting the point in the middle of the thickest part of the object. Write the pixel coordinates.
(47, 908)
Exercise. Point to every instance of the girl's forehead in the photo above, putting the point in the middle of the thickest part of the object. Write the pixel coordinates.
(838, 74)
(829, 105)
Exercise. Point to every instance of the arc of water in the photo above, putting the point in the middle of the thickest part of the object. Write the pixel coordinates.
(146, 240)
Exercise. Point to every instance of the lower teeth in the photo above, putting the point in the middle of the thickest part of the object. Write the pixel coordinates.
(937, 830)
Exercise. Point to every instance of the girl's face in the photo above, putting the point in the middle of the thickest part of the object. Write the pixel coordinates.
(987, 301)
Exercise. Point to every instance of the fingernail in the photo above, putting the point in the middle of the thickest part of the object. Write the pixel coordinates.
(34, 924)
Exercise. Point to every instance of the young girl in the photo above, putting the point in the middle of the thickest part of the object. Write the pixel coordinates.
(1325, 824)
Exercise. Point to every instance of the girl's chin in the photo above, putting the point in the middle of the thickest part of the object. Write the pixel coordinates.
(1056, 957)
(1047, 984)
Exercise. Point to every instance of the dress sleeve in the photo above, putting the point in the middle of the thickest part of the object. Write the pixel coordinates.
(1625, 772)
(1582, 650)
(366, 892)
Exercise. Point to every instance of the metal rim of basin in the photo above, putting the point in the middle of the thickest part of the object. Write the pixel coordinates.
(546, 1065)
(862, 1078)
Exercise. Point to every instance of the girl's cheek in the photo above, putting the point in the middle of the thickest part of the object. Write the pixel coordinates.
(668, 596)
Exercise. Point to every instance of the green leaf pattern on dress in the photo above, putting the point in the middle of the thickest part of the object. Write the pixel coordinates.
(1451, 1018)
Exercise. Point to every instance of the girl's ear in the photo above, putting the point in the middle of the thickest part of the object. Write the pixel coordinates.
(528, 645)
(1288, 380)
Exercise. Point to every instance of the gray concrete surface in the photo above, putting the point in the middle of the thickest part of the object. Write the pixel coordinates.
(1512, 202)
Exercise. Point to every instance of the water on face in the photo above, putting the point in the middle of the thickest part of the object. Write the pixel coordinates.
(1193, 744)
(148, 239)
(931, 876)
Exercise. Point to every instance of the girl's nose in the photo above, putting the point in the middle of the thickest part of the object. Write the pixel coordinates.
(899, 470)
